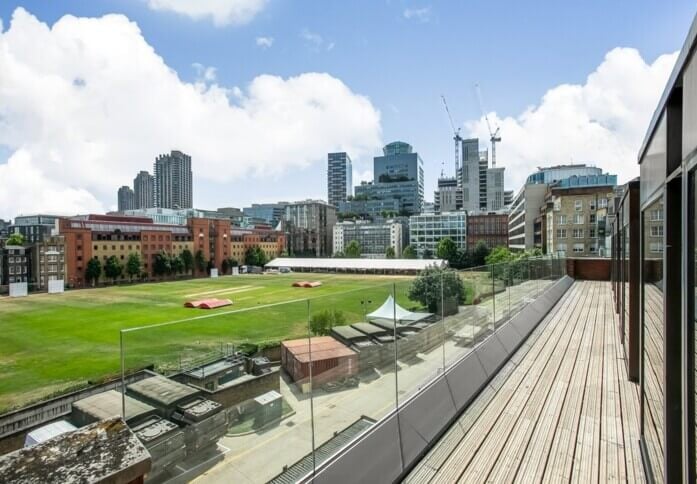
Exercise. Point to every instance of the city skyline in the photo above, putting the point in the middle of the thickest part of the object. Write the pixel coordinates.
(313, 67)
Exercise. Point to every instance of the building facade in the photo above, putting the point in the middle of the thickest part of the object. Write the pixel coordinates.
(469, 175)
(34, 228)
(339, 178)
(309, 228)
(494, 189)
(48, 260)
(144, 190)
(272, 242)
(126, 199)
(448, 195)
(374, 238)
(370, 209)
(575, 216)
(16, 264)
(270, 213)
(426, 230)
(490, 228)
(398, 173)
(173, 181)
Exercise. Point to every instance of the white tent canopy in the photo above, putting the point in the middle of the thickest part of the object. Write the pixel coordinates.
(391, 310)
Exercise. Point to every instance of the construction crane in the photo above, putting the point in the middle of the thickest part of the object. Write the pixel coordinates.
(456, 138)
(493, 134)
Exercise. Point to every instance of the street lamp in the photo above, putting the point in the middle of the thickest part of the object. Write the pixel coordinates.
(364, 305)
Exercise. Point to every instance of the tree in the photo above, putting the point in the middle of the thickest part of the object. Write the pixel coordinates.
(426, 288)
(462, 261)
(322, 322)
(133, 265)
(408, 252)
(389, 253)
(15, 239)
(339, 255)
(113, 268)
(232, 262)
(200, 260)
(479, 254)
(447, 249)
(427, 254)
(353, 249)
(161, 265)
(176, 264)
(188, 259)
(255, 256)
(210, 265)
(225, 266)
(93, 270)
(499, 255)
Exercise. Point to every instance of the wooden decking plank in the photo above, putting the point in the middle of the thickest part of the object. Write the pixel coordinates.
(524, 403)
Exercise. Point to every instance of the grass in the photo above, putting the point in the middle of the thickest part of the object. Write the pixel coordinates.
(52, 343)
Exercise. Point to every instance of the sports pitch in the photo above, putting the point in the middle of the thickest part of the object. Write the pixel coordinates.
(52, 343)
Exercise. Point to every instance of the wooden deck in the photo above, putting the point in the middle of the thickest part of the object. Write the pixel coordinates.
(561, 410)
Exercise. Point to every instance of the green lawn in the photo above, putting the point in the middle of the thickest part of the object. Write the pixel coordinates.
(51, 343)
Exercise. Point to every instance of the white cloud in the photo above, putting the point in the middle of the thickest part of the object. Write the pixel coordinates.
(316, 41)
(89, 103)
(600, 122)
(418, 14)
(264, 42)
(222, 12)
(204, 74)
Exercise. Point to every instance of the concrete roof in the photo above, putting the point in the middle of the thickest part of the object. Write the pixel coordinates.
(356, 264)
(106, 451)
(348, 332)
(163, 390)
(109, 404)
(369, 329)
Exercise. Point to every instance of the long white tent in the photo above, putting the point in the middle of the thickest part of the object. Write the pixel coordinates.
(355, 265)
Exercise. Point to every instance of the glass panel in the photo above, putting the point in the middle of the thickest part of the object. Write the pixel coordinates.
(652, 320)
(419, 315)
(248, 372)
(353, 364)
(693, 201)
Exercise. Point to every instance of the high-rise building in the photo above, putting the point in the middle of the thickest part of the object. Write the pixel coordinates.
(144, 190)
(339, 177)
(470, 175)
(173, 181)
(270, 213)
(126, 198)
(448, 196)
(494, 189)
(398, 173)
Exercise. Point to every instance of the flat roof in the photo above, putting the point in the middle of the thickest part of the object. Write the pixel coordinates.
(369, 329)
(348, 332)
(356, 264)
(109, 404)
(160, 389)
(323, 348)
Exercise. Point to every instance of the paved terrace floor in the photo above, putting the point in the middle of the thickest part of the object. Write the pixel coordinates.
(561, 410)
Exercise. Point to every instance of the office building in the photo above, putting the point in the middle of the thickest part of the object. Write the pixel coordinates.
(309, 226)
(144, 190)
(339, 178)
(508, 197)
(126, 199)
(575, 216)
(34, 228)
(369, 209)
(426, 230)
(448, 196)
(469, 176)
(270, 213)
(490, 228)
(173, 181)
(398, 173)
(374, 238)
(523, 231)
(494, 189)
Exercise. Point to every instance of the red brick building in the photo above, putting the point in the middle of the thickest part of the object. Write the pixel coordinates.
(492, 228)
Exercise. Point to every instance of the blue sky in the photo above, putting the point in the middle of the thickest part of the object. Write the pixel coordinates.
(516, 50)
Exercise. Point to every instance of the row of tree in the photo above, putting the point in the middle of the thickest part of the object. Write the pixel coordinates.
(353, 250)
(460, 259)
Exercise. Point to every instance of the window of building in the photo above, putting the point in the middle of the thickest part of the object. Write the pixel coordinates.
(561, 233)
(578, 219)
(578, 233)
(578, 205)
(592, 248)
(591, 218)
(578, 248)
(656, 247)
(602, 203)
(591, 204)
(657, 231)
(657, 215)
(562, 220)
(557, 205)
(591, 233)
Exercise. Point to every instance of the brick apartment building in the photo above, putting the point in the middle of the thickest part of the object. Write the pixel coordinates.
(103, 236)
(491, 228)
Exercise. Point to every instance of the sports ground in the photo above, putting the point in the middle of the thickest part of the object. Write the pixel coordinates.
(52, 343)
